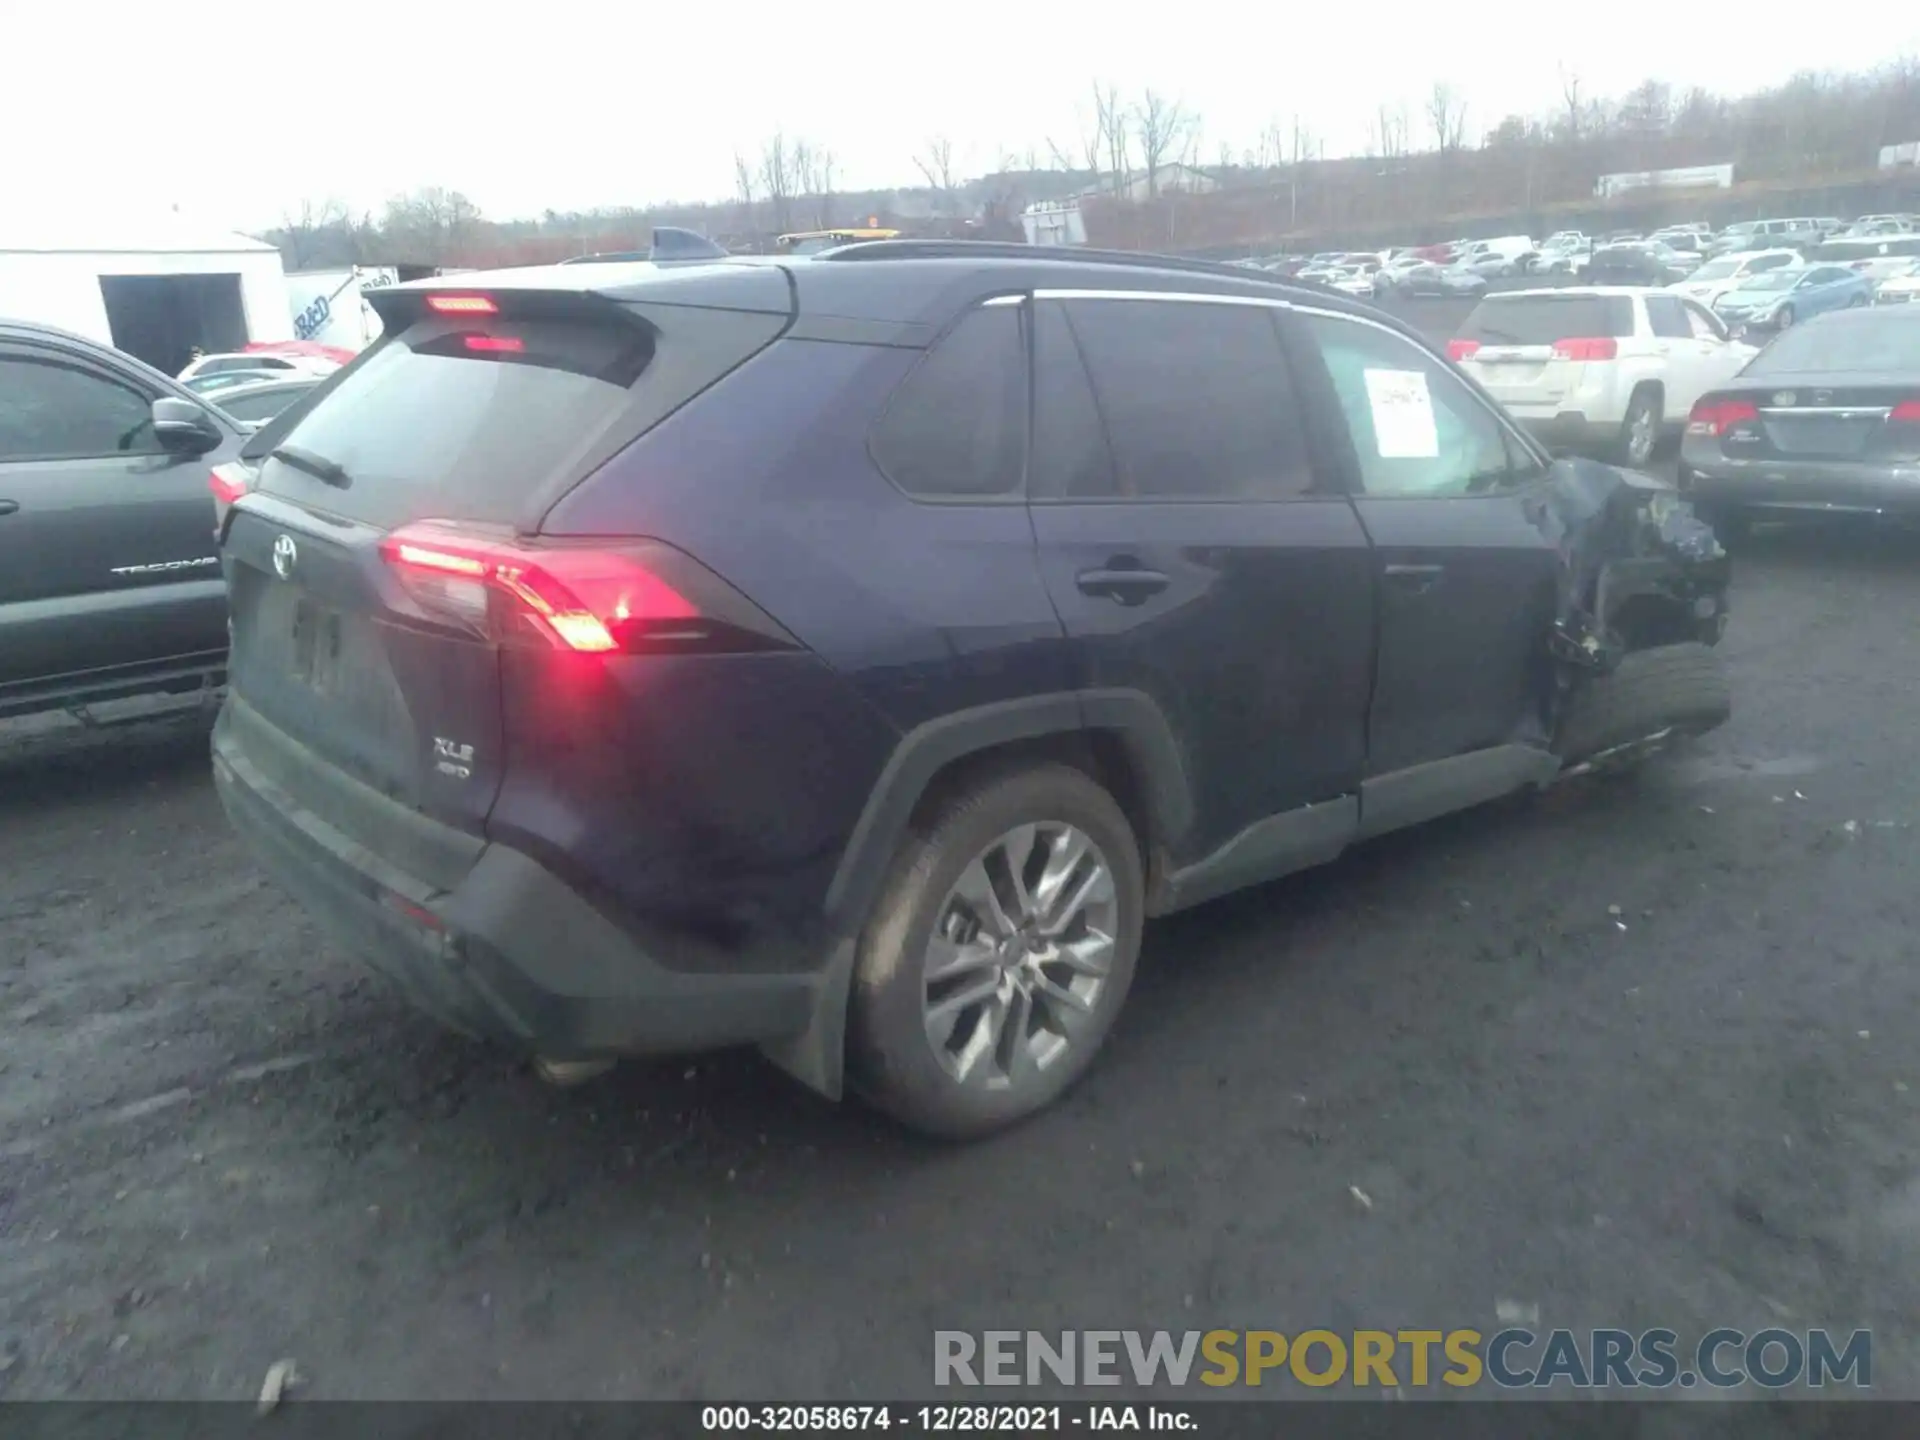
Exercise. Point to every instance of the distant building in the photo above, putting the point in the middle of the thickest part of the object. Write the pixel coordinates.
(1174, 179)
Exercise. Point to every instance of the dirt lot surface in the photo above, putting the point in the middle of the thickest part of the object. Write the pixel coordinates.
(1636, 1053)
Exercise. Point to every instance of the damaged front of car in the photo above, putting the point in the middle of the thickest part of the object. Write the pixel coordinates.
(1642, 603)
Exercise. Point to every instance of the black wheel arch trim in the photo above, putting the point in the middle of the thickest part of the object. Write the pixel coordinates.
(923, 752)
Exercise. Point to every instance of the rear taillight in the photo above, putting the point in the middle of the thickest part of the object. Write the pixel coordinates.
(229, 482)
(1602, 347)
(1461, 349)
(496, 344)
(1715, 417)
(632, 597)
(1907, 410)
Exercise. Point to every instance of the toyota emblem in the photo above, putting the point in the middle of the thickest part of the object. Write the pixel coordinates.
(285, 553)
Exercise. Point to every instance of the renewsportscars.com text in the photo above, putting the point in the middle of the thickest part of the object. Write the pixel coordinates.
(1514, 1358)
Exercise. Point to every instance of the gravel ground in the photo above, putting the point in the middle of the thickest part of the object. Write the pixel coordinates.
(1639, 1053)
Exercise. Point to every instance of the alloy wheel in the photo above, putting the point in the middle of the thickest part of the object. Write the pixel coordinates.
(1640, 434)
(1017, 966)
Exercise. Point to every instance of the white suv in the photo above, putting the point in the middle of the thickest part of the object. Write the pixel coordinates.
(1604, 369)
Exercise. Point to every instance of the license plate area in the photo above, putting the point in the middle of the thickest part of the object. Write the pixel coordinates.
(315, 645)
(1820, 435)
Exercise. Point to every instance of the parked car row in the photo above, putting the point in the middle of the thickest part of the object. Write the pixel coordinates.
(1790, 395)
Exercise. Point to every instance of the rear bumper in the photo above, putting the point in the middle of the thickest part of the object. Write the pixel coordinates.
(1804, 486)
(506, 950)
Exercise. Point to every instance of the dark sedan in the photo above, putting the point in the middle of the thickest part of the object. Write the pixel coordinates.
(1825, 420)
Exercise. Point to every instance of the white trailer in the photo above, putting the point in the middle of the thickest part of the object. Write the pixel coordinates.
(330, 308)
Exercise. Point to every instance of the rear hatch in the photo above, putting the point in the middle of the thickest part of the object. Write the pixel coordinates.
(1533, 349)
(386, 548)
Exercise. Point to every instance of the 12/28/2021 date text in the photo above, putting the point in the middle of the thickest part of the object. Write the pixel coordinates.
(941, 1419)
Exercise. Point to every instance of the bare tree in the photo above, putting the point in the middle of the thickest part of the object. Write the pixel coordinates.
(936, 163)
(1113, 132)
(1300, 146)
(1447, 113)
(744, 184)
(1164, 126)
(1576, 108)
(429, 224)
(1390, 133)
(777, 179)
(304, 234)
(815, 165)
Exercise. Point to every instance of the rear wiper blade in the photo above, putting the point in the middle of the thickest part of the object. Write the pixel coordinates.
(318, 466)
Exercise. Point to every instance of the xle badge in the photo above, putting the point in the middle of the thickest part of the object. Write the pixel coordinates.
(452, 758)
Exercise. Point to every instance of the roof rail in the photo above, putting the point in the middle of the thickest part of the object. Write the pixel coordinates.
(1015, 250)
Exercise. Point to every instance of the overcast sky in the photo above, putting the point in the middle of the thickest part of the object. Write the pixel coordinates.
(238, 113)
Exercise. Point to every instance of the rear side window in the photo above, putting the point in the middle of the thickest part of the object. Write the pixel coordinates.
(467, 418)
(1195, 397)
(957, 426)
(1543, 319)
(1668, 318)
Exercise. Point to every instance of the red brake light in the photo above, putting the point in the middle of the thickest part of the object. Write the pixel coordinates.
(462, 305)
(1602, 347)
(1907, 410)
(589, 600)
(1461, 349)
(1716, 417)
(496, 344)
(229, 482)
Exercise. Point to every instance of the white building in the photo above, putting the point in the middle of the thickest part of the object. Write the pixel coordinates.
(155, 287)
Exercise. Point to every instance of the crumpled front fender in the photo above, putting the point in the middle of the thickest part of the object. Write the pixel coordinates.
(1637, 565)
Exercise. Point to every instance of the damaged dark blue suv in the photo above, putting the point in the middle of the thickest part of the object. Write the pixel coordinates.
(847, 655)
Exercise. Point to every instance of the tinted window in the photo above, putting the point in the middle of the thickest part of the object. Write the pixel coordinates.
(467, 419)
(1416, 429)
(1070, 453)
(50, 410)
(1770, 262)
(263, 406)
(1858, 341)
(1668, 319)
(1543, 319)
(957, 425)
(1196, 398)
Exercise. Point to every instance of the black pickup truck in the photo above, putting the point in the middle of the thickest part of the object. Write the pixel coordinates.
(110, 583)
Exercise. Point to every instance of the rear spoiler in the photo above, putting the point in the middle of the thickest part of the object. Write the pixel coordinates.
(401, 306)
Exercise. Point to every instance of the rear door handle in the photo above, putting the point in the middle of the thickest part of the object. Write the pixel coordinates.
(7, 507)
(1415, 579)
(1129, 587)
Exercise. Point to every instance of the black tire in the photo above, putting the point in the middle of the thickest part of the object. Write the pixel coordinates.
(1680, 687)
(1786, 317)
(1645, 403)
(891, 1061)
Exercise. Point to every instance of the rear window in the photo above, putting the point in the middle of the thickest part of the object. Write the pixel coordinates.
(1856, 343)
(470, 417)
(1543, 319)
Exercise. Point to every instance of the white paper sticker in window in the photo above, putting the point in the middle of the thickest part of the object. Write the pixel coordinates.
(1403, 425)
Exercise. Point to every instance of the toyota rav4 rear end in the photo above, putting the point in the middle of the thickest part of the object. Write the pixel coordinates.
(546, 781)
